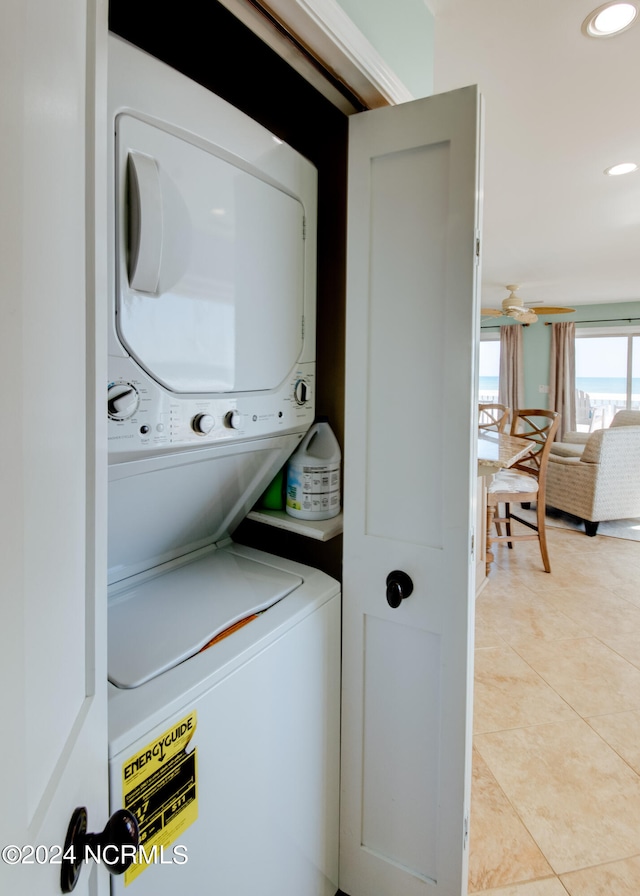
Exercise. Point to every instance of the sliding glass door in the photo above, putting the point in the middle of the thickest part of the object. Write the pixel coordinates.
(607, 372)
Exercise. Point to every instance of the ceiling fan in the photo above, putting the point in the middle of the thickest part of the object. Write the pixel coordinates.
(513, 307)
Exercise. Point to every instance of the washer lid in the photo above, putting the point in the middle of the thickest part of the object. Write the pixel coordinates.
(163, 621)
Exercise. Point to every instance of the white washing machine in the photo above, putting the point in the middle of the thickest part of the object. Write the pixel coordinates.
(224, 661)
(244, 799)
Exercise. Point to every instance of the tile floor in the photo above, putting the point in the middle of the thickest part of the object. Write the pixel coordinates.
(556, 781)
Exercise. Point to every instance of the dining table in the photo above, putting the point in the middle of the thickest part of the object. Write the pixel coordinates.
(496, 451)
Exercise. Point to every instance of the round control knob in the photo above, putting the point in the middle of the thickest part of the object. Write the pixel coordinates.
(122, 401)
(301, 392)
(202, 424)
(232, 419)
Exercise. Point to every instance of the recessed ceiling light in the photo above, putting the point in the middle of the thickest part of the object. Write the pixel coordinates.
(610, 18)
(622, 168)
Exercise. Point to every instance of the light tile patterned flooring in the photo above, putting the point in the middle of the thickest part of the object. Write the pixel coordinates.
(555, 806)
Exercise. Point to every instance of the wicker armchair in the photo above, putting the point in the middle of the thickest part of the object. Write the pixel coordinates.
(603, 483)
(573, 442)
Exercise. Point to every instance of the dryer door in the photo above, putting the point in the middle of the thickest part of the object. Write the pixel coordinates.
(210, 292)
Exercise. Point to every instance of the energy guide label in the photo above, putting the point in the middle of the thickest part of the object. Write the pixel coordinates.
(159, 785)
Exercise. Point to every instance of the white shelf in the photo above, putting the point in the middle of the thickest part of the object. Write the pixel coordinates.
(321, 530)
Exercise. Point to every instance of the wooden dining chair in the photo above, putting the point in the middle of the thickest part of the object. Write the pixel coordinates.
(524, 481)
(492, 417)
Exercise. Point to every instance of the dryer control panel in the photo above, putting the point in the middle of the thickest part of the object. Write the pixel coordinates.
(146, 419)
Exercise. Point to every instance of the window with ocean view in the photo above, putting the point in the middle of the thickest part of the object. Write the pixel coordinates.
(489, 367)
(608, 370)
(635, 372)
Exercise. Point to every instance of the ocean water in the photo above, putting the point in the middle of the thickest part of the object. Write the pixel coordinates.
(594, 385)
(610, 385)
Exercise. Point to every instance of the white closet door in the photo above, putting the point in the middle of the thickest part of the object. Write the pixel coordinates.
(53, 514)
(410, 475)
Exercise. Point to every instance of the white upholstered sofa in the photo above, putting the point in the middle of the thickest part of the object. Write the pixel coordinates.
(596, 476)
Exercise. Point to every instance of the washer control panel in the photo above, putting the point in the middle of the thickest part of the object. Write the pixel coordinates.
(146, 419)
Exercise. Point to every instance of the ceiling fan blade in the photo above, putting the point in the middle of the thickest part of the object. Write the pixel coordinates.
(490, 312)
(552, 309)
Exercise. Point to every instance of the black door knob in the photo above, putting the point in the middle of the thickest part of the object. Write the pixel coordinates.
(399, 587)
(115, 847)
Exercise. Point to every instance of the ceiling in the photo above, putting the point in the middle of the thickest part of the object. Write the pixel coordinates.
(559, 109)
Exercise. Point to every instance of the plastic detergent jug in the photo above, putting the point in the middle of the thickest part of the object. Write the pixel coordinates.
(313, 475)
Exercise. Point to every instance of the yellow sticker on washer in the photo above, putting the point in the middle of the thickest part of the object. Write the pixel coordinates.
(159, 785)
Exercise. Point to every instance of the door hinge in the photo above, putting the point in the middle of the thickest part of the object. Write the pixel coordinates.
(304, 228)
(477, 248)
(466, 832)
(473, 546)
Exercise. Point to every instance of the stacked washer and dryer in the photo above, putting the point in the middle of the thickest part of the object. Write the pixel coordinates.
(224, 661)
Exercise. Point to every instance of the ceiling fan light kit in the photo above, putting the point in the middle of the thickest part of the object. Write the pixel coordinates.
(514, 308)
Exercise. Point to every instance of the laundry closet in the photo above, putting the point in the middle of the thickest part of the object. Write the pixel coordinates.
(399, 642)
(223, 661)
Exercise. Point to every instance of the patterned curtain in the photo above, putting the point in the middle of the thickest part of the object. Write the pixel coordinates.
(511, 382)
(562, 376)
